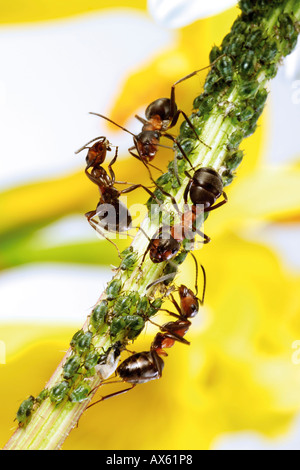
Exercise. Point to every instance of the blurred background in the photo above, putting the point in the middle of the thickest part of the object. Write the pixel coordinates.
(238, 385)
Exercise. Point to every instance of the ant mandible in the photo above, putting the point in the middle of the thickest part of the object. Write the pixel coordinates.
(113, 215)
(145, 366)
(161, 115)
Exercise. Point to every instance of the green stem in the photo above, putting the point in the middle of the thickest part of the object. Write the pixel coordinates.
(227, 112)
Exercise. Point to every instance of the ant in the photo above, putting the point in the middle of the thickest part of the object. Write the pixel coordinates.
(113, 215)
(148, 365)
(203, 188)
(161, 115)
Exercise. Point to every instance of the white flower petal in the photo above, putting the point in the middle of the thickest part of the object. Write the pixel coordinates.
(292, 64)
(178, 13)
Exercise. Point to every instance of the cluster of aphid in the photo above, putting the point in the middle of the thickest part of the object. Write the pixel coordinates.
(244, 61)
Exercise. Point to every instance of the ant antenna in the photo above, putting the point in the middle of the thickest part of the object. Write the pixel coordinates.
(204, 278)
(113, 122)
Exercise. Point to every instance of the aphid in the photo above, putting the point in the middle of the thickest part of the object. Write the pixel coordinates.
(71, 366)
(99, 314)
(113, 289)
(59, 392)
(80, 393)
(91, 360)
(84, 343)
(25, 410)
(76, 338)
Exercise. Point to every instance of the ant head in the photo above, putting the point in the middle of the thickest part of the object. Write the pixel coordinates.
(146, 143)
(97, 153)
(161, 108)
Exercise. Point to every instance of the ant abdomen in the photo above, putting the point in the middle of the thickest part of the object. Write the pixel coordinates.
(160, 107)
(114, 216)
(141, 367)
(206, 187)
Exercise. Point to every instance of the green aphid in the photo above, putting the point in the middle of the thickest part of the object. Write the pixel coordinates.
(234, 48)
(113, 289)
(99, 314)
(260, 100)
(80, 393)
(247, 6)
(249, 89)
(225, 67)
(122, 305)
(25, 410)
(143, 306)
(84, 343)
(211, 80)
(76, 337)
(71, 366)
(164, 179)
(117, 325)
(254, 39)
(235, 139)
(247, 63)
(234, 160)
(269, 52)
(59, 392)
(246, 114)
(227, 178)
(42, 396)
(129, 261)
(135, 324)
(240, 27)
(91, 360)
(126, 252)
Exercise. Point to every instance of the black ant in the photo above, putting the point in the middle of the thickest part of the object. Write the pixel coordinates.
(148, 365)
(113, 215)
(161, 115)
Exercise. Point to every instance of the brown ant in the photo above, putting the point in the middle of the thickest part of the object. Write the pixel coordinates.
(148, 365)
(113, 215)
(161, 115)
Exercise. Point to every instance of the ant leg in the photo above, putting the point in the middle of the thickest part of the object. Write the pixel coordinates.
(207, 239)
(187, 190)
(170, 334)
(112, 395)
(111, 171)
(135, 186)
(196, 277)
(93, 223)
(169, 136)
(141, 160)
(174, 122)
(209, 209)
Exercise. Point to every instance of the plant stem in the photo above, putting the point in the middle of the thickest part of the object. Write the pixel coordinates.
(227, 112)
